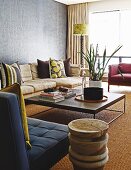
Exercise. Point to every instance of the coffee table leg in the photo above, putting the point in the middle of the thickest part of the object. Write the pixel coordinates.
(94, 116)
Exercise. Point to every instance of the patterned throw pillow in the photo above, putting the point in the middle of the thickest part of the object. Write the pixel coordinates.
(57, 69)
(10, 74)
(15, 88)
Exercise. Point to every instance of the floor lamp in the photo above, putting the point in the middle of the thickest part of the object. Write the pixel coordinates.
(80, 30)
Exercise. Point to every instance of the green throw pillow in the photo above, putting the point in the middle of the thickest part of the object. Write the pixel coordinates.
(57, 69)
(15, 88)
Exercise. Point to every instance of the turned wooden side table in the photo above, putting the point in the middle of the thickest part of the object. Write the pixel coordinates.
(88, 144)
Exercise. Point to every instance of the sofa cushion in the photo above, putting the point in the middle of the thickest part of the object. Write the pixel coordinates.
(40, 84)
(10, 74)
(57, 69)
(43, 69)
(25, 72)
(69, 82)
(49, 143)
(125, 67)
(119, 78)
(27, 89)
(15, 88)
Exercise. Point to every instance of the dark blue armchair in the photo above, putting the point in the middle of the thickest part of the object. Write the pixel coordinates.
(49, 140)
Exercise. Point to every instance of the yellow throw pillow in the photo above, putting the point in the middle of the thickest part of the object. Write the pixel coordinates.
(15, 88)
(57, 69)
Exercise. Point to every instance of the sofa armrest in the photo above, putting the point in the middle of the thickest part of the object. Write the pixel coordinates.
(75, 70)
(113, 70)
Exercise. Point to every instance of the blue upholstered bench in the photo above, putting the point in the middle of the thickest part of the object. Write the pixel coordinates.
(49, 140)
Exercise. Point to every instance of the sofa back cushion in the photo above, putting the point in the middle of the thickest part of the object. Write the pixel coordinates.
(34, 70)
(125, 67)
(25, 72)
(75, 70)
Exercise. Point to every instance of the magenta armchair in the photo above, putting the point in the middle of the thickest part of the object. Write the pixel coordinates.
(119, 74)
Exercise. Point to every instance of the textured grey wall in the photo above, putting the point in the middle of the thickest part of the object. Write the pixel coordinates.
(31, 29)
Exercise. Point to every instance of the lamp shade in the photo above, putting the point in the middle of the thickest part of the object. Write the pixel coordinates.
(80, 29)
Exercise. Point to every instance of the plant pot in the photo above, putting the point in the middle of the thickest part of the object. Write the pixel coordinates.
(93, 83)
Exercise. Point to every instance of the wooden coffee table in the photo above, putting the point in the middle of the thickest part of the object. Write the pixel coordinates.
(74, 105)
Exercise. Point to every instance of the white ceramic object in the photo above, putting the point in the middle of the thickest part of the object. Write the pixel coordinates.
(95, 83)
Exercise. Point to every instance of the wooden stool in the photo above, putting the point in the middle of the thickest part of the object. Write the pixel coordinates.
(88, 144)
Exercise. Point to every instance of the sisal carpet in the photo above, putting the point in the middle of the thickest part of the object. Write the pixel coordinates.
(119, 144)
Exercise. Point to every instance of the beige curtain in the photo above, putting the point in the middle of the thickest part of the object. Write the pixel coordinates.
(77, 14)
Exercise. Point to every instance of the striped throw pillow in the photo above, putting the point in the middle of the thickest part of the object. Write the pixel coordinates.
(10, 74)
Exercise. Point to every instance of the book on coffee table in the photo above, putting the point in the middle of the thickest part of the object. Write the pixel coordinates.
(52, 99)
(69, 94)
(50, 94)
(58, 94)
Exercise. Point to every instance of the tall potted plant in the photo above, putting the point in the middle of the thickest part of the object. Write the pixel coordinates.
(97, 64)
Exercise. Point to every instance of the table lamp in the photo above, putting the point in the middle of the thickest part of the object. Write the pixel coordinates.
(80, 30)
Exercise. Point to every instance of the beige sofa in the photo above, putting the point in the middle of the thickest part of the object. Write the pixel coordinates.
(32, 85)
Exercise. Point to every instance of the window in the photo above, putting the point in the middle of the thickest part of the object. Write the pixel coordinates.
(125, 33)
(110, 29)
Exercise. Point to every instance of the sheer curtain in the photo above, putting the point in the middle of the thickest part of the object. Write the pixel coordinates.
(77, 14)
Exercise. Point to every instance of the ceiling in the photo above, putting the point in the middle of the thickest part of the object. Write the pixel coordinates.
(69, 2)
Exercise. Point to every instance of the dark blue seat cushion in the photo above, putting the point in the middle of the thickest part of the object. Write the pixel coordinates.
(49, 143)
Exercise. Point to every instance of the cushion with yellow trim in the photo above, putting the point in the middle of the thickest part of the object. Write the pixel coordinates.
(15, 88)
(57, 69)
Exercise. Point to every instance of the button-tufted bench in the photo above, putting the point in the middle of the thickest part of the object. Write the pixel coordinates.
(49, 143)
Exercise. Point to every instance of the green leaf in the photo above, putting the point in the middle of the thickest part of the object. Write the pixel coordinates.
(96, 70)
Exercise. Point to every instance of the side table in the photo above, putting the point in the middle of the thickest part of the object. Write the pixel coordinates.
(88, 144)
